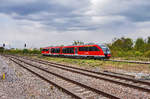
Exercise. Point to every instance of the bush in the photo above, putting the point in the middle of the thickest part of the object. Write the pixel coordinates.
(120, 54)
(130, 54)
(35, 51)
(25, 51)
(1, 49)
(138, 53)
(147, 54)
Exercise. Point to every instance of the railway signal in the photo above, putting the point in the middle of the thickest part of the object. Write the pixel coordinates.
(4, 45)
(25, 45)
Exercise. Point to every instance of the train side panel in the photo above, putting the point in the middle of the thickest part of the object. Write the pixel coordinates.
(93, 51)
(90, 51)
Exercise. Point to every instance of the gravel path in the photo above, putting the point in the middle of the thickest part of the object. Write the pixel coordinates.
(21, 84)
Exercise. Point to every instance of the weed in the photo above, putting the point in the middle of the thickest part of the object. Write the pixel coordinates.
(99, 63)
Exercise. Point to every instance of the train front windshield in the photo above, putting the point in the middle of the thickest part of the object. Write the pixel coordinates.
(105, 49)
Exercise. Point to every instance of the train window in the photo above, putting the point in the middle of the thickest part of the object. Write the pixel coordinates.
(45, 50)
(93, 48)
(52, 50)
(83, 48)
(55, 50)
(68, 50)
(58, 50)
(80, 48)
(105, 49)
(63, 50)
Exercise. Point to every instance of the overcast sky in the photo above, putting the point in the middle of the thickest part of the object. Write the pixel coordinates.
(41, 23)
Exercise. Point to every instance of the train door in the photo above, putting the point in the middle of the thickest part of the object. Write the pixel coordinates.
(76, 50)
(49, 51)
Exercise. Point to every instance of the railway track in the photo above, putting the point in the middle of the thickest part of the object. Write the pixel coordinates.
(121, 80)
(72, 87)
(127, 61)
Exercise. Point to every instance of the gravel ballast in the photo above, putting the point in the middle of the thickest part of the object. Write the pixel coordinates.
(21, 84)
(118, 90)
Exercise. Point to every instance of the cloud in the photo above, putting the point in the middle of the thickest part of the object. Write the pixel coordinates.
(62, 21)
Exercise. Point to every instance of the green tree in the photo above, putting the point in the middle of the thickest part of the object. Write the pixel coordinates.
(147, 45)
(127, 44)
(1, 49)
(36, 51)
(147, 54)
(148, 41)
(25, 51)
(123, 44)
(140, 45)
(77, 43)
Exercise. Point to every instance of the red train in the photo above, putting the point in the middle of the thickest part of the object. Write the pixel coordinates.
(81, 51)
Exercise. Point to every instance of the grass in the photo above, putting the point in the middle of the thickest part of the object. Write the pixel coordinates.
(132, 58)
(103, 65)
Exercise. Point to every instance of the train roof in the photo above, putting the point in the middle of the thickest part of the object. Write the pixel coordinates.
(73, 46)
